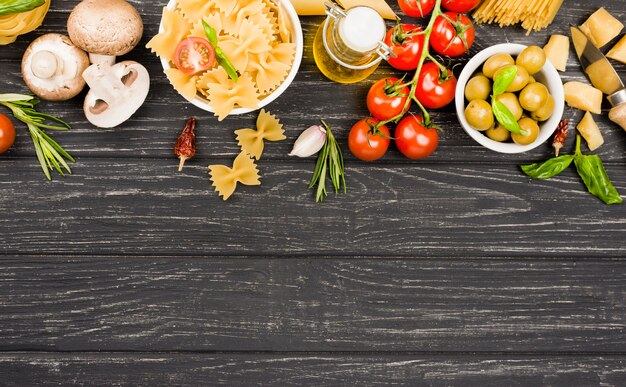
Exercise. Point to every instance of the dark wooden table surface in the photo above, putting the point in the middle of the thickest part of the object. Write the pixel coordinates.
(454, 270)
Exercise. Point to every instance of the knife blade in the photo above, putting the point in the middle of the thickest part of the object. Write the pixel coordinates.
(601, 74)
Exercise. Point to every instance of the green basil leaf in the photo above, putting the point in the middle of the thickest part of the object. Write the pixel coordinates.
(503, 80)
(548, 168)
(10, 7)
(222, 60)
(210, 33)
(505, 117)
(596, 180)
(226, 64)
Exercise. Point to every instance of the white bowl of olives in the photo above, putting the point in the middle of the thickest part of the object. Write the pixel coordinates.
(525, 113)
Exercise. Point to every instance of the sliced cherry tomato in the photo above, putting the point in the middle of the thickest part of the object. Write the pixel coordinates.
(414, 140)
(407, 42)
(194, 55)
(435, 87)
(459, 5)
(386, 98)
(7, 133)
(416, 8)
(367, 144)
(453, 34)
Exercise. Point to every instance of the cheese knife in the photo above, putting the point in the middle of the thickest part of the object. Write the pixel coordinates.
(601, 74)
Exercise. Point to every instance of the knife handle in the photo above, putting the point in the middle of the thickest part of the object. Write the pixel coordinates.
(618, 115)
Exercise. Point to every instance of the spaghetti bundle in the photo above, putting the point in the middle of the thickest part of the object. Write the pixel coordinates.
(533, 14)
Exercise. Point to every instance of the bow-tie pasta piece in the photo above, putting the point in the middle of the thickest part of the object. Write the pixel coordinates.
(268, 127)
(175, 29)
(224, 94)
(184, 83)
(225, 179)
(269, 69)
(214, 20)
(194, 9)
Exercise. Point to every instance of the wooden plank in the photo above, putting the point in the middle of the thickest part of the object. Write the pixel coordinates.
(447, 210)
(301, 369)
(144, 198)
(313, 304)
(153, 130)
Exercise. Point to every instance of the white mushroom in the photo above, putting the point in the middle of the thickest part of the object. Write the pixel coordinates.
(116, 92)
(105, 28)
(52, 67)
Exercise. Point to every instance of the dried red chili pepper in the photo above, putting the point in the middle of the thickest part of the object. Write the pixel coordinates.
(560, 134)
(185, 147)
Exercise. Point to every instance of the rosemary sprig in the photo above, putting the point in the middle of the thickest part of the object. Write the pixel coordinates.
(330, 159)
(50, 154)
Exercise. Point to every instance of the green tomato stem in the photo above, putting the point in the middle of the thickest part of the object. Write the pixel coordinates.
(425, 54)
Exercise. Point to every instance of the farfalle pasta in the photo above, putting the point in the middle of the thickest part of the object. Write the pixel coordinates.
(175, 29)
(225, 179)
(268, 128)
(224, 94)
(253, 34)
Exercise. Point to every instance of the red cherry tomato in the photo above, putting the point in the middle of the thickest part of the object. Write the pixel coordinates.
(194, 55)
(7, 133)
(416, 8)
(414, 140)
(364, 143)
(407, 42)
(459, 5)
(435, 88)
(386, 98)
(452, 38)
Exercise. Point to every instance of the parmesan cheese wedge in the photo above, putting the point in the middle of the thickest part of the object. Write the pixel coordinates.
(618, 52)
(316, 7)
(601, 27)
(589, 130)
(582, 96)
(557, 51)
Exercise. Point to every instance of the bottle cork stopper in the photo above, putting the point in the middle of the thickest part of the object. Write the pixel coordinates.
(362, 29)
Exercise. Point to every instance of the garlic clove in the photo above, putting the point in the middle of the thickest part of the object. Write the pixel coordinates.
(309, 142)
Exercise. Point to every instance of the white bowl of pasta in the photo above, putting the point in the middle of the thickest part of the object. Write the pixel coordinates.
(262, 38)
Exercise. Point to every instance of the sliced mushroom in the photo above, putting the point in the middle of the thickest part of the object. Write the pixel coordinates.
(52, 67)
(105, 29)
(116, 92)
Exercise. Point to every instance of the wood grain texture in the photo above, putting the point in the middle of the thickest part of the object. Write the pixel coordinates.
(114, 207)
(309, 370)
(454, 270)
(226, 304)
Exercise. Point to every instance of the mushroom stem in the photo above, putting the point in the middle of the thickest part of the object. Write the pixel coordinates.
(45, 64)
(102, 59)
(103, 81)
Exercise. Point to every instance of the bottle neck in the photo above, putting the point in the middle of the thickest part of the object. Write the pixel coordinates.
(341, 53)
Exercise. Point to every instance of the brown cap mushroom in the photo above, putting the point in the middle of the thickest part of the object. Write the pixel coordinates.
(116, 92)
(105, 28)
(52, 67)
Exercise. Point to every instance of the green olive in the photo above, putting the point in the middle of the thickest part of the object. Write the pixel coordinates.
(498, 133)
(510, 101)
(532, 59)
(545, 111)
(520, 81)
(533, 96)
(532, 131)
(479, 115)
(495, 62)
(479, 87)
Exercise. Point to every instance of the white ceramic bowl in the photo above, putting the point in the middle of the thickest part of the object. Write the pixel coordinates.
(296, 35)
(547, 75)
